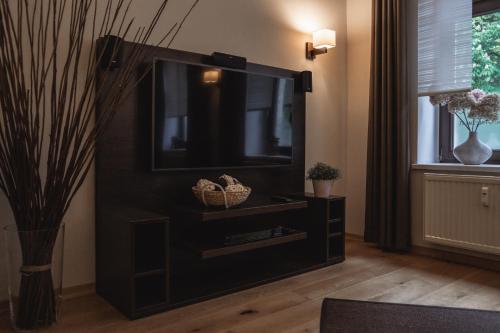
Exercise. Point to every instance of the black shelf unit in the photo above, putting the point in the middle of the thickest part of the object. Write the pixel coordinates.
(151, 263)
(329, 216)
(147, 222)
(226, 274)
(133, 260)
(315, 240)
(210, 245)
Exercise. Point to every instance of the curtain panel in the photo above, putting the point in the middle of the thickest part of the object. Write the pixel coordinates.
(387, 193)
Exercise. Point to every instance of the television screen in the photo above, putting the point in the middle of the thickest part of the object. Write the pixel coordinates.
(209, 117)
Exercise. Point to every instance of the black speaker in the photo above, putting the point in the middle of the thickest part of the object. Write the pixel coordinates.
(228, 60)
(111, 49)
(306, 81)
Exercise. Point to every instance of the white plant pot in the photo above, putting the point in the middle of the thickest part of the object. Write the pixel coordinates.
(322, 188)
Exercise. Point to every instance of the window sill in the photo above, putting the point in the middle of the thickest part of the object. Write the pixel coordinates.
(487, 168)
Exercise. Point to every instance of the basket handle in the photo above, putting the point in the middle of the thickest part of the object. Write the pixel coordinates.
(236, 181)
(223, 193)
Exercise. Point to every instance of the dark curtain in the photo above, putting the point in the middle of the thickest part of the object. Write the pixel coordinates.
(387, 192)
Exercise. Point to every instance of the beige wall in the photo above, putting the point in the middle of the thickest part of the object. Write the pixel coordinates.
(271, 32)
(358, 85)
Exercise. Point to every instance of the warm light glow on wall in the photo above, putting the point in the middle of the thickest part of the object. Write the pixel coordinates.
(304, 24)
(303, 16)
(324, 38)
(211, 76)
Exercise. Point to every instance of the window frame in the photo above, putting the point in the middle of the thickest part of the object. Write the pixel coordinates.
(446, 123)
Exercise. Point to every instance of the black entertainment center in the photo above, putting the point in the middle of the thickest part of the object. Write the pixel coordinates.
(157, 247)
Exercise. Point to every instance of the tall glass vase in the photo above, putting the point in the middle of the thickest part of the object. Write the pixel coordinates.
(34, 268)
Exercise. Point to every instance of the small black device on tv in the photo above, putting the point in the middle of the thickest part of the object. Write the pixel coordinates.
(229, 60)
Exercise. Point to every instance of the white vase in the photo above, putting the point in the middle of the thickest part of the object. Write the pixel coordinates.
(322, 188)
(473, 151)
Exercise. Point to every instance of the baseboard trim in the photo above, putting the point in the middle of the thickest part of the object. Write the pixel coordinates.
(78, 291)
(354, 237)
(67, 294)
(458, 258)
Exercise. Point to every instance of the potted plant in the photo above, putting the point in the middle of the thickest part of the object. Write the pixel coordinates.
(322, 176)
(472, 109)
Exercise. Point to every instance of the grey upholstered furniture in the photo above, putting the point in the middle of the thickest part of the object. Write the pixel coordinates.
(367, 317)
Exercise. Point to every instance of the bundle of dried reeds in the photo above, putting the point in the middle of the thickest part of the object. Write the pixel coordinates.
(48, 129)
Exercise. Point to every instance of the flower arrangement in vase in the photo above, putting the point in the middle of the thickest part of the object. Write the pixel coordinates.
(472, 109)
(322, 176)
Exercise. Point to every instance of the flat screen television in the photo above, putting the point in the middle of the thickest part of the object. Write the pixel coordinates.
(211, 117)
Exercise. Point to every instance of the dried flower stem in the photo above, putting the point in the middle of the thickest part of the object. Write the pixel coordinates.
(48, 94)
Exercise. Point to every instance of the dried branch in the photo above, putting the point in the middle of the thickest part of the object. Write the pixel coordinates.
(48, 127)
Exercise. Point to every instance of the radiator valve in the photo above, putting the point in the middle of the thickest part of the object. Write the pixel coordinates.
(485, 198)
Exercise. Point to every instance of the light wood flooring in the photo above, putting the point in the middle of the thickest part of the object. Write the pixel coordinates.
(293, 305)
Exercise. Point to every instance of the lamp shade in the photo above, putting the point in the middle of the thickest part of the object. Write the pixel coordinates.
(324, 38)
(211, 76)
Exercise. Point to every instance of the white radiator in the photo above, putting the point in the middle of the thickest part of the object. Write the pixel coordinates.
(462, 211)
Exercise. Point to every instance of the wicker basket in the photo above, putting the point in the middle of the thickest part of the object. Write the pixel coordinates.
(221, 198)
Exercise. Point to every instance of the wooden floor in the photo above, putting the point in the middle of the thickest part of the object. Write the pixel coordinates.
(293, 305)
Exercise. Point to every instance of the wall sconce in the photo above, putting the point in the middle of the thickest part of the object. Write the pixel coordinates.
(323, 40)
(211, 76)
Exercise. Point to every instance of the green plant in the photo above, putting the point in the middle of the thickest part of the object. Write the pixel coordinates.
(323, 171)
(486, 52)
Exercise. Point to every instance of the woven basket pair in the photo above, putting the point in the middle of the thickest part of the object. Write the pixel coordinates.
(222, 197)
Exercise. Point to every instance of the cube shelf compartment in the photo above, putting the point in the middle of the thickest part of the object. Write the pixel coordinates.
(150, 290)
(335, 226)
(149, 247)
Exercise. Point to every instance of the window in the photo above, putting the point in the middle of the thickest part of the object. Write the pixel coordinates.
(485, 76)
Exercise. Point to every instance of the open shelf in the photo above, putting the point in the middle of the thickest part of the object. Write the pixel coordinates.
(335, 247)
(335, 227)
(150, 290)
(252, 241)
(254, 206)
(149, 247)
(225, 274)
(335, 210)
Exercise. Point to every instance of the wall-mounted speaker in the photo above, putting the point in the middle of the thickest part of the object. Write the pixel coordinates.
(111, 49)
(305, 81)
(228, 60)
